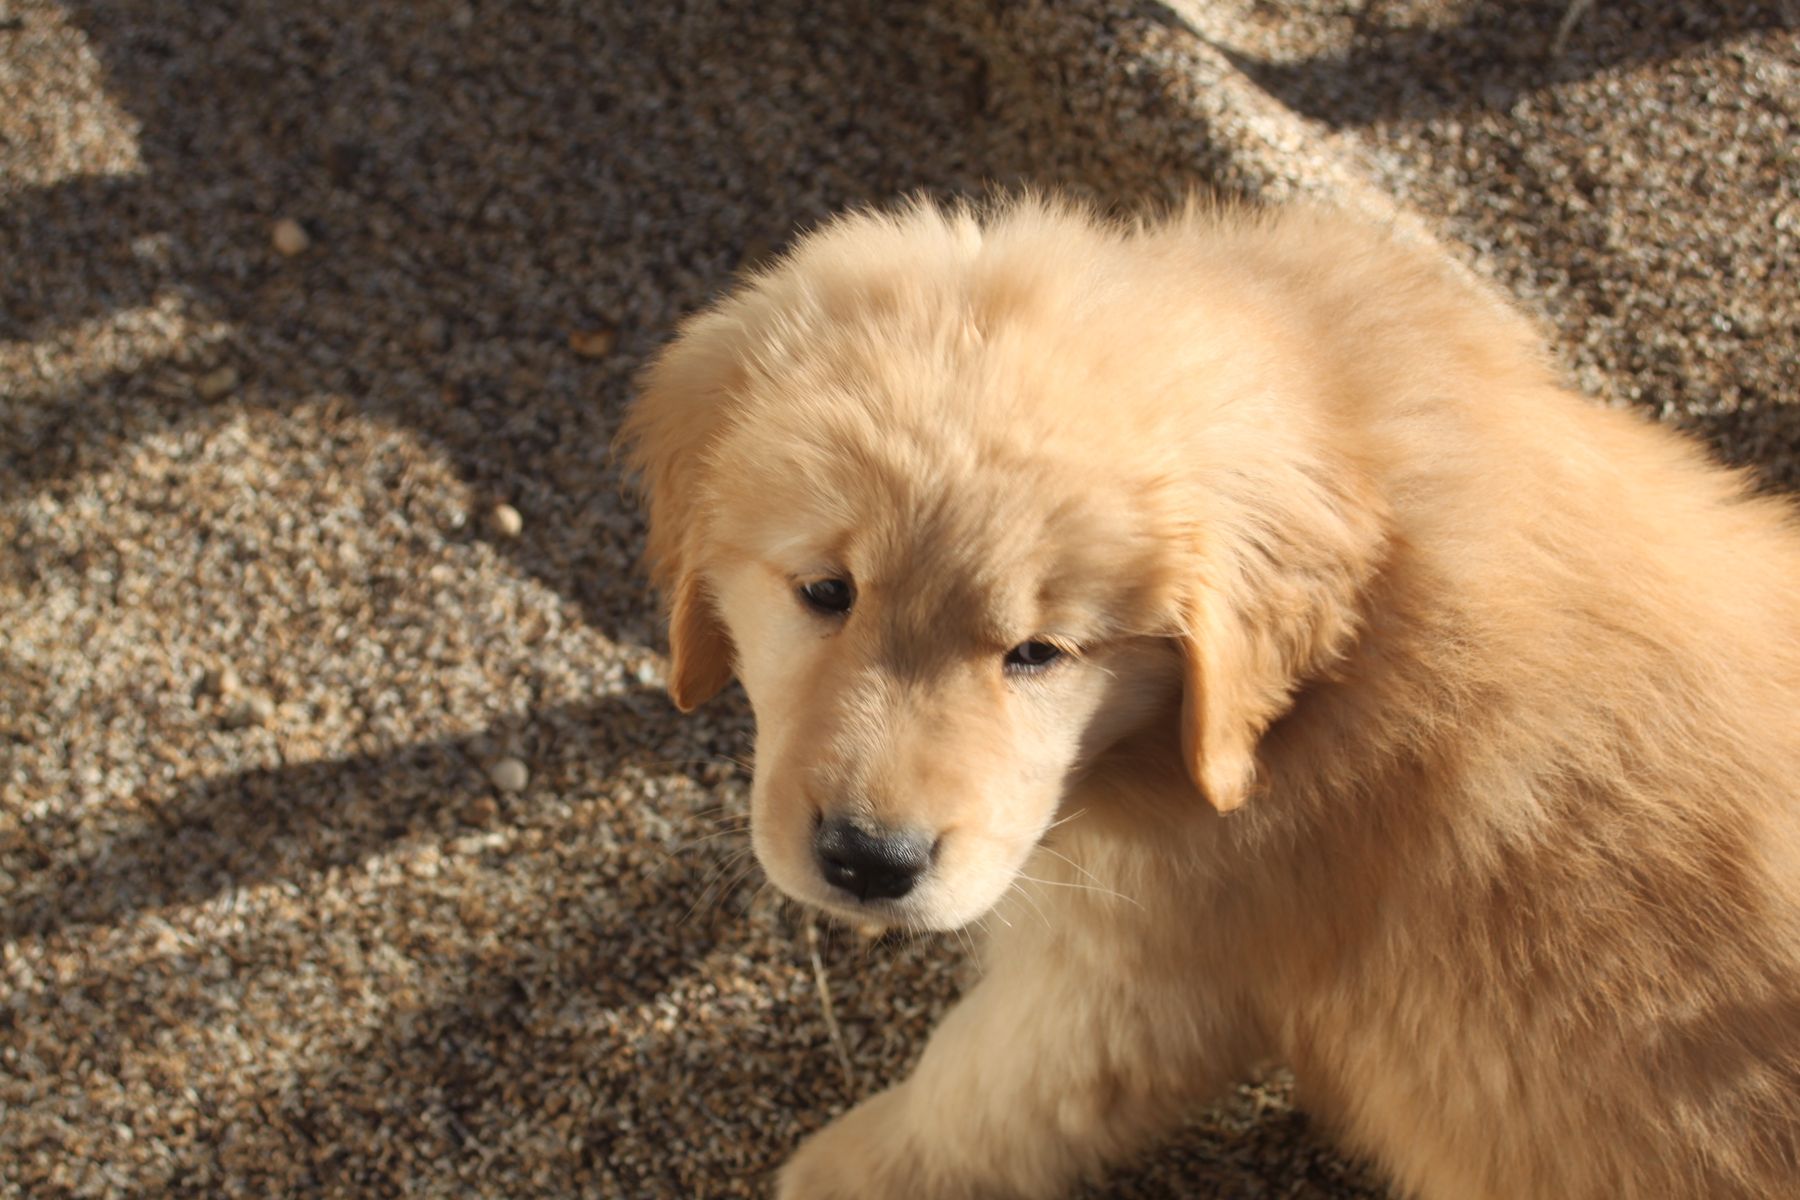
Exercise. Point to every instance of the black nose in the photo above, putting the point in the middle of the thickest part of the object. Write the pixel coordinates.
(870, 865)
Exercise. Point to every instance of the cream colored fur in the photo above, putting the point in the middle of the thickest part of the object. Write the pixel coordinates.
(1424, 727)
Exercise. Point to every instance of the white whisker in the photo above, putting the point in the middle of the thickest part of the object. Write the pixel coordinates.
(706, 888)
(1025, 893)
(710, 837)
(1082, 887)
(726, 892)
(1087, 874)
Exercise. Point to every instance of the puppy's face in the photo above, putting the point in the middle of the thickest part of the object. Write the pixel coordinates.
(963, 506)
(935, 644)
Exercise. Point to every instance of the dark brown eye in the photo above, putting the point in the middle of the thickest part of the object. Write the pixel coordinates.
(1028, 657)
(832, 597)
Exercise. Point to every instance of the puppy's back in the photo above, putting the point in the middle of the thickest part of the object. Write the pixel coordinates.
(1571, 964)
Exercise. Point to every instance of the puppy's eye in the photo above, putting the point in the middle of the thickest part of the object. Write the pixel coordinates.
(832, 597)
(1028, 657)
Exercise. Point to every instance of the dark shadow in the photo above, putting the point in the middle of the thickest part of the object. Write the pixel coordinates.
(614, 1083)
(1762, 434)
(69, 246)
(557, 1054)
(301, 821)
(1499, 53)
(1221, 1158)
(585, 1112)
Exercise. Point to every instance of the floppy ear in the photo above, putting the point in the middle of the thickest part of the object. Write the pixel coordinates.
(1220, 718)
(1270, 618)
(699, 648)
(668, 436)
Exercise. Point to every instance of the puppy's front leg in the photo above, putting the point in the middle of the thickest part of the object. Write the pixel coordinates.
(1036, 1078)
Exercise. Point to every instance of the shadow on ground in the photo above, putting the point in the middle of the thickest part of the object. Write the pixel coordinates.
(479, 182)
(1491, 58)
(291, 824)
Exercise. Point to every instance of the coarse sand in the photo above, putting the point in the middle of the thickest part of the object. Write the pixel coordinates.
(348, 846)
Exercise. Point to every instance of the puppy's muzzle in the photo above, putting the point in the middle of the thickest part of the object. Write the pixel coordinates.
(871, 864)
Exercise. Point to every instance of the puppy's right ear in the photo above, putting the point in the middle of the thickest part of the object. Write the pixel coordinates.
(1224, 708)
(667, 438)
(699, 648)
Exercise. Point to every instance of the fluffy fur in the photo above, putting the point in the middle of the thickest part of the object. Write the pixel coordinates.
(1422, 726)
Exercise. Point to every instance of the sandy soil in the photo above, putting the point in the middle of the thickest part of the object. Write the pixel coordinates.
(347, 844)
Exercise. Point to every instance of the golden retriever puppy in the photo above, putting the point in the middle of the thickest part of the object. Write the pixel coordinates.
(1237, 608)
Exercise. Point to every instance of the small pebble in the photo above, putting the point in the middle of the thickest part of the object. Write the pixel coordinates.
(593, 343)
(252, 709)
(474, 911)
(217, 383)
(505, 521)
(509, 775)
(431, 334)
(222, 681)
(480, 811)
(289, 237)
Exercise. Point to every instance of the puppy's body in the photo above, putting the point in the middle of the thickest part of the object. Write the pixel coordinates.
(1507, 685)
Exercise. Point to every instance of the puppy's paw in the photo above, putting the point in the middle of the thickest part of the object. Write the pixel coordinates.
(815, 1172)
(863, 1155)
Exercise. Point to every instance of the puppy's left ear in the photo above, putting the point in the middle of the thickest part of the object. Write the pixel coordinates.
(667, 437)
(1221, 718)
(1267, 620)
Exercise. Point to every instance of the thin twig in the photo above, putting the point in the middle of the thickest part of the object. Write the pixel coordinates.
(1576, 10)
(831, 1024)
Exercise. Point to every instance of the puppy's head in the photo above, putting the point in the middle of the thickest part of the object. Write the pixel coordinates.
(930, 490)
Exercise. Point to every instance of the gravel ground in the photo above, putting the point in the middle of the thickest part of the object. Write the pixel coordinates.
(347, 844)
